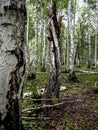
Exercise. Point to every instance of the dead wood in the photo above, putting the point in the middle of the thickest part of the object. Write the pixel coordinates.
(87, 72)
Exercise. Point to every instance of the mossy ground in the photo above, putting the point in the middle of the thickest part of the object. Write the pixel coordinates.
(80, 108)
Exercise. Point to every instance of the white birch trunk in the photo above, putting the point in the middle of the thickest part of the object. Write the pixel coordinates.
(36, 38)
(47, 54)
(52, 58)
(89, 38)
(44, 47)
(53, 85)
(67, 45)
(71, 31)
(12, 39)
(56, 42)
(96, 33)
(26, 51)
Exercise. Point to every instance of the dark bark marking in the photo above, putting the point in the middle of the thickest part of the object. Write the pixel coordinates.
(12, 115)
(14, 6)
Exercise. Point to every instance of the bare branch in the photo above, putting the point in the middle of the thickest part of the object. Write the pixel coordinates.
(87, 72)
(44, 106)
(35, 118)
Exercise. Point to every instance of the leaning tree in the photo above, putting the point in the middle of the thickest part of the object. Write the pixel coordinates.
(12, 39)
(53, 85)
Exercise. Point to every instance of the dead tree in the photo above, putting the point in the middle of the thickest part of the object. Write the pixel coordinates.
(53, 84)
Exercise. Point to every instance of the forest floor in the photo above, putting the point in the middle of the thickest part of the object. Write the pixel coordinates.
(77, 108)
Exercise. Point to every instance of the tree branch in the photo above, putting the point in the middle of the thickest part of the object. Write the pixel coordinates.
(44, 106)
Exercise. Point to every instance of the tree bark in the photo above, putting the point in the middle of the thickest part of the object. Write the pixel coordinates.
(43, 67)
(12, 39)
(89, 39)
(36, 39)
(77, 54)
(72, 76)
(27, 57)
(96, 33)
(53, 85)
(67, 45)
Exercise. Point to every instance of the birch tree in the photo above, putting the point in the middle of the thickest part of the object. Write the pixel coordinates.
(43, 64)
(36, 38)
(89, 37)
(12, 39)
(53, 85)
(96, 32)
(71, 59)
(27, 57)
(67, 45)
(71, 22)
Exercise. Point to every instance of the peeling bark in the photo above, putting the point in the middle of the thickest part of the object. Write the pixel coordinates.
(53, 85)
(12, 39)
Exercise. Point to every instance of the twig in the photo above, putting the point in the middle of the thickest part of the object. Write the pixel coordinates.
(63, 126)
(35, 118)
(34, 99)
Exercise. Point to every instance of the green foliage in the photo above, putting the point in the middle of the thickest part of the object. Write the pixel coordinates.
(82, 125)
(69, 123)
(38, 83)
(54, 100)
(92, 3)
(31, 126)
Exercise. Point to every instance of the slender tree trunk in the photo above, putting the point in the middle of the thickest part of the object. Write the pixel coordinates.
(77, 54)
(96, 49)
(96, 33)
(72, 76)
(43, 68)
(67, 45)
(47, 54)
(27, 57)
(89, 39)
(36, 39)
(12, 39)
(71, 58)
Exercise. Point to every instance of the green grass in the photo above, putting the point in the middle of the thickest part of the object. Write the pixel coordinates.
(31, 125)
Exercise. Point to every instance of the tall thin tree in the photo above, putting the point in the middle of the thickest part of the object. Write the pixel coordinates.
(53, 85)
(36, 38)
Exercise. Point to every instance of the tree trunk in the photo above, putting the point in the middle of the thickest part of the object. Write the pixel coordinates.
(27, 57)
(72, 76)
(12, 39)
(53, 85)
(77, 54)
(89, 39)
(43, 67)
(36, 39)
(71, 58)
(67, 45)
(96, 33)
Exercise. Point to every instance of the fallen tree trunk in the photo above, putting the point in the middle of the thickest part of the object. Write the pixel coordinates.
(87, 72)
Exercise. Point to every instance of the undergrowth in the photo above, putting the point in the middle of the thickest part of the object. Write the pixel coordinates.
(88, 82)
